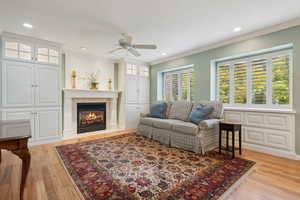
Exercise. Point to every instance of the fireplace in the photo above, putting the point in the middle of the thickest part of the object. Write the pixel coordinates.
(91, 117)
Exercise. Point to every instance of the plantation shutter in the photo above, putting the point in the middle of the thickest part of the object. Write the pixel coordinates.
(224, 83)
(168, 87)
(240, 83)
(191, 85)
(280, 80)
(184, 85)
(259, 81)
(175, 92)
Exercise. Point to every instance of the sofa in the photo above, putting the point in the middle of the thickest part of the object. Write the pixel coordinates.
(176, 130)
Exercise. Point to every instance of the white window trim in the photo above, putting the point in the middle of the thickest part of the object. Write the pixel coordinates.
(266, 53)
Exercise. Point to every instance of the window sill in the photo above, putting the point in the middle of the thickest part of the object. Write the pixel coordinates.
(265, 110)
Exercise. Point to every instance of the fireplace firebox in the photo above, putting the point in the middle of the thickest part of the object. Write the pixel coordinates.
(91, 117)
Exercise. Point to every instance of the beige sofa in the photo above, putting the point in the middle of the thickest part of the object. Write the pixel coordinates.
(177, 131)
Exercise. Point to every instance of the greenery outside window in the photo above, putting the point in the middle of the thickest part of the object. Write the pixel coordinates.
(178, 85)
(256, 81)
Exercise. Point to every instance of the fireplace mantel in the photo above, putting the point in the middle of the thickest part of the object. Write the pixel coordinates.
(81, 93)
(74, 96)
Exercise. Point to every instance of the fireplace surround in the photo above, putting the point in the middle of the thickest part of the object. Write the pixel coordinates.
(73, 97)
(91, 117)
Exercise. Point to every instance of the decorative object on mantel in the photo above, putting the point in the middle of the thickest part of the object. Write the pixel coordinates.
(109, 84)
(73, 74)
(92, 78)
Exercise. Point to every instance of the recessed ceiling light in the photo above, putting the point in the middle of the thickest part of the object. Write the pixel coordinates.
(27, 25)
(237, 29)
(164, 54)
(83, 48)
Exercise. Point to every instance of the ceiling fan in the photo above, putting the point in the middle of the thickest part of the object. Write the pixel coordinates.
(125, 43)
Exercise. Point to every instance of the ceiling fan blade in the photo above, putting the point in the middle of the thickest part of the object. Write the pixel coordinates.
(144, 46)
(134, 52)
(113, 51)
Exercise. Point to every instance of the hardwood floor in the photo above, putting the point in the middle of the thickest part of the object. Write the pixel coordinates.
(276, 178)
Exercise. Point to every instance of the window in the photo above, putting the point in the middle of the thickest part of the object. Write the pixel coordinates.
(257, 81)
(47, 55)
(178, 85)
(131, 69)
(18, 50)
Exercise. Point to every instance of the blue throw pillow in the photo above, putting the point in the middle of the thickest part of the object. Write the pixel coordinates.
(200, 113)
(158, 110)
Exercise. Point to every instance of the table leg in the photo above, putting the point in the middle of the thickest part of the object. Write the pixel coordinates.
(240, 141)
(227, 140)
(24, 155)
(220, 141)
(233, 145)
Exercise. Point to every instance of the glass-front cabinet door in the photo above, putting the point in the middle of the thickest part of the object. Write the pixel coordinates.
(18, 50)
(48, 55)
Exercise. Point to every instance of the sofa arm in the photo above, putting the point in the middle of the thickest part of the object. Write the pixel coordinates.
(209, 123)
(144, 114)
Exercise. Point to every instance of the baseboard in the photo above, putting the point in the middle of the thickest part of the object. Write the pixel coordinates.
(44, 141)
(272, 151)
(71, 134)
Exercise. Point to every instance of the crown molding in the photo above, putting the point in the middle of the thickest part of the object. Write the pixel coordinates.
(265, 31)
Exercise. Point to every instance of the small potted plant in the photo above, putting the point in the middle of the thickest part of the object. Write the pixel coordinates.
(92, 78)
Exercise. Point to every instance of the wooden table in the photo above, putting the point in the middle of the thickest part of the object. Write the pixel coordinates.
(14, 137)
(230, 126)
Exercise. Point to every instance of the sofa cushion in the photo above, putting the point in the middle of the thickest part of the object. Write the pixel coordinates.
(187, 128)
(200, 113)
(217, 113)
(164, 123)
(148, 120)
(158, 110)
(180, 110)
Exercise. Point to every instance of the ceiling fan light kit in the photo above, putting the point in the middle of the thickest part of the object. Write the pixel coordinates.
(126, 44)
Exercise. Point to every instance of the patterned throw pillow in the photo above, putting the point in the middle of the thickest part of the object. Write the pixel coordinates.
(180, 110)
(158, 110)
(200, 113)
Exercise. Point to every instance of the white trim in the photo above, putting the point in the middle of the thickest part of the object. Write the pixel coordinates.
(272, 151)
(177, 68)
(266, 110)
(256, 53)
(272, 29)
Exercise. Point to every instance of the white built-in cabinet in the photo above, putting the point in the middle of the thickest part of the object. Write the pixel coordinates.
(268, 131)
(30, 84)
(134, 84)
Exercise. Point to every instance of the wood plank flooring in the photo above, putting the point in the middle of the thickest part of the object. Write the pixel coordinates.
(275, 179)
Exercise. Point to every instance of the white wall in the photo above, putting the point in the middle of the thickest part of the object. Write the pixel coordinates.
(84, 63)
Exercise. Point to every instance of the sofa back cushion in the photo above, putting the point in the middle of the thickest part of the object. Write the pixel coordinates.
(200, 112)
(217, 113)
(158, 110)
(180, 110)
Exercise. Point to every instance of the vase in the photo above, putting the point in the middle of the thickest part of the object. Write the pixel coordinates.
(94, 86)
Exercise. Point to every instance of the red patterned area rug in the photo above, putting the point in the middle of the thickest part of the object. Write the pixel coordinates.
(135, 167)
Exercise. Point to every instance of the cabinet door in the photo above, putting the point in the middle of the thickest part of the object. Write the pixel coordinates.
(17, 84)
(47, 124)
(47, 86)
(143, 89)
(132, 116)
(132, 89)
(17, 115)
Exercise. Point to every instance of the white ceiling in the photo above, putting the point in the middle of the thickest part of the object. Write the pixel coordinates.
(174, 25)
